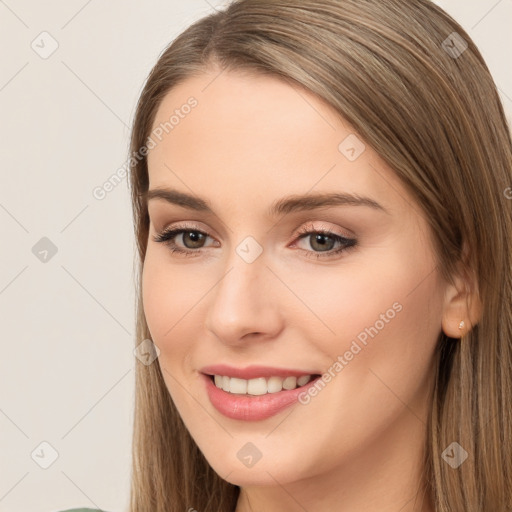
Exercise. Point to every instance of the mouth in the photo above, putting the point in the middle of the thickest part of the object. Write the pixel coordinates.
(260, 385)
(255, 393)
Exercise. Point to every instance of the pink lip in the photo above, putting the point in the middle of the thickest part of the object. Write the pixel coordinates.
(254, 371)
(252, 408)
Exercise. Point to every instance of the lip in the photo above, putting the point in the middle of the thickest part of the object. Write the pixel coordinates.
(252, 408)
(254, 371)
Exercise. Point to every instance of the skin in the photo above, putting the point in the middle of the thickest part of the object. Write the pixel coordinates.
(358, 445)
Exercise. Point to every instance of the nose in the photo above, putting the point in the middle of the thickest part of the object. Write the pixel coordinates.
(244, 303)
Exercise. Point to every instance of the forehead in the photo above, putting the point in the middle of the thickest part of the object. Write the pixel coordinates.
(257, 138)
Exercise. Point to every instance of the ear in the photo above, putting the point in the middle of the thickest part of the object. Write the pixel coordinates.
(462, 305)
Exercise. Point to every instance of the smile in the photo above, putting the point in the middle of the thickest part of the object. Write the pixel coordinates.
(259, 386)
(254, 393)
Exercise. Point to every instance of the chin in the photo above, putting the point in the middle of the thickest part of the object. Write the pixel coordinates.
(248, 477)
(265, 471)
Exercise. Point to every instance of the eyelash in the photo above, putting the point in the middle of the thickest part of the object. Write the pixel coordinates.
(167, 238)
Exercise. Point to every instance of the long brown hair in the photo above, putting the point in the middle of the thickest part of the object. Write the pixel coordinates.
(424, 99)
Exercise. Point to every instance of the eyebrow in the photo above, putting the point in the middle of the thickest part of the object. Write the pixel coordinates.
(285, 205)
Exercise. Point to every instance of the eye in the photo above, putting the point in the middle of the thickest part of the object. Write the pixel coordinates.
(193, 239)
(322, 241)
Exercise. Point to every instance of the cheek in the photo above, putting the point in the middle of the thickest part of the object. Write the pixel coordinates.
(385, 307)
(392, 313)
(155, 301)
(167, 296)
(384, 319)
(347, 300)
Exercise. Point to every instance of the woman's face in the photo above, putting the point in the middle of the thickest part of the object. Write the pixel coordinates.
(261, 286)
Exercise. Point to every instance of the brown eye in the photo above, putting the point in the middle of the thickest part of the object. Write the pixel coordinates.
(323, 241)
(192, 240)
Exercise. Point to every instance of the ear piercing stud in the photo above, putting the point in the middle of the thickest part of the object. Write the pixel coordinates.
(461, 325)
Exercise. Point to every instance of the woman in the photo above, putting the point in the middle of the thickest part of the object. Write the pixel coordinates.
(321, 195)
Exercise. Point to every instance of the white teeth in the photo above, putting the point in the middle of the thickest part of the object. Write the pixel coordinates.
(260, 385)
(275, 384)
(238, 386)
(290, 383)
(256, 386)
(303, 380)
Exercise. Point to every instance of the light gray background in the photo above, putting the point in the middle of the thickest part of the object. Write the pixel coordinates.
(67, 366)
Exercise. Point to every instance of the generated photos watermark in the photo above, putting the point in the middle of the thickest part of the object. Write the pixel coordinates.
(101, 191)
(355, 348)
